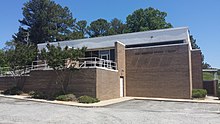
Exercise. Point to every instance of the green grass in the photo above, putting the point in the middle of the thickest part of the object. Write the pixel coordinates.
(207, 76)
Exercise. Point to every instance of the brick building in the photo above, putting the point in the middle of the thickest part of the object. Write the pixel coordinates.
(159, 63)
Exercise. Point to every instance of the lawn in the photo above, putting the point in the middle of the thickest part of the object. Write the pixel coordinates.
(208, 76)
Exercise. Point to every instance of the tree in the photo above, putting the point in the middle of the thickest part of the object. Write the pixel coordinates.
(22, 36)
(17, 57)
(3, 62)
(46, 21)
(20, 56)
(194, 45)
(147, 19)
(81, 27)
(116, 27)
(9, 45)
(98, 28)
(205, 65)
(79, 30)
(57, 58)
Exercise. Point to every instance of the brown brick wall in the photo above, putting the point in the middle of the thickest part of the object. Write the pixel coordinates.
(197, 69)
(100, 83)
(107, 84)
(159, 72)
(80, 82)
(7, 82)
(211, 87)
(120, 60)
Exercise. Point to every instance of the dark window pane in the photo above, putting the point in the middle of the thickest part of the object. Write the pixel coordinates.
(104, 51)
(112, 54)
(95, 53)
(88, 54)
(155, 44)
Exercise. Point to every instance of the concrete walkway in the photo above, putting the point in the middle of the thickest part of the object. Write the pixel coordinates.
(210, 100)
(71, 103)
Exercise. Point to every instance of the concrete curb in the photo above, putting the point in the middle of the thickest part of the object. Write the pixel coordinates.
(178, 100)
(108, 102)
(75, 104)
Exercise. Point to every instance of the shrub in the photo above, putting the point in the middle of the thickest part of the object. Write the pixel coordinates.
(87, 99)
(56, 94)
(199, 93)
(67, 97)
(12, 91)
(31, 93)
(37, 95)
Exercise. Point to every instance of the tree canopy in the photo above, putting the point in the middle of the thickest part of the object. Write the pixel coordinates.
(193, 43)
(56, 56)
(98, 28)
(116, 27)
(46, 21)
(3, 62)
(22, 36)
(147, 19)
(81, 27)
(19, 56)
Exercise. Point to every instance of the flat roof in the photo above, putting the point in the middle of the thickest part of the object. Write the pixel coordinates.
(210, 70)
(153, 36)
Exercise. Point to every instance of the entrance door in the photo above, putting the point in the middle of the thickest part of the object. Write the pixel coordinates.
(121, 86)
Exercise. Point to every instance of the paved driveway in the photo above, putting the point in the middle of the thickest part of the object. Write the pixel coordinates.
(130, 112)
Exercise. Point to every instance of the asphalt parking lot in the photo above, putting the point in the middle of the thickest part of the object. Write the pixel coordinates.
(131, 112)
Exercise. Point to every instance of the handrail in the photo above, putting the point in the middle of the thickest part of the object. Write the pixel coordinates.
(97, 62)
(21, 70)
(89, 62)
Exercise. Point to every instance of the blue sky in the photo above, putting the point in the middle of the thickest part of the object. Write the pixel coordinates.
(201, 16)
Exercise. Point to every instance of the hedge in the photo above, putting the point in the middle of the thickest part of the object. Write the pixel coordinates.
(199, 93)
(87, 99)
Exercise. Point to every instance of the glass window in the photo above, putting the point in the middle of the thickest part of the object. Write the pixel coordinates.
(95, 53)
(88, 54)
(104, 54)
(112, 54)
